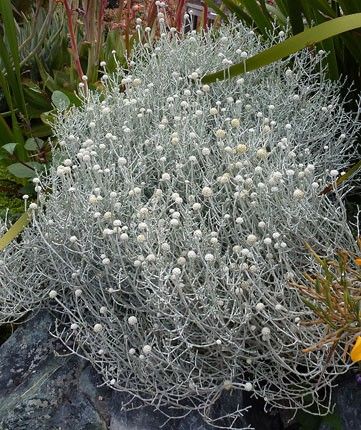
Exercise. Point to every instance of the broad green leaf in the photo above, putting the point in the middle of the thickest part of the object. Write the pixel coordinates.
(61, 101)
(282, 6)
(262, 21)
(277, 15)
(295, 15)
(238, 11)
(9, 147)
(302, 40)
(350, 6)
(322, 6)
(14, 231)
(26, 170)
(212, 4)
(265, 11)
(34, 144)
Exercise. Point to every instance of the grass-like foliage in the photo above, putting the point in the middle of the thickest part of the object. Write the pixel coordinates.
(177, 215)
(333, 294)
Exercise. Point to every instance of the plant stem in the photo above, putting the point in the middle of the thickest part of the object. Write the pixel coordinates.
(179, 15)
(73, 41)
(205, 17)
(127, 38)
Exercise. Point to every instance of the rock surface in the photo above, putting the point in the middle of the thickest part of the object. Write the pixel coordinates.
(40, 390)
(347, 397)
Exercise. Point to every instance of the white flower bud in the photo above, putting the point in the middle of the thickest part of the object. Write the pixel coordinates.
(265, 331)
(132, 320)
(248, 386)
(147, 349)
(176, 271)
(298, 194)
(241, 148)
(262, 153)
(209, 257)
(260, 306)
(220, 134)
(98, 328)
(207, 192)
(251, 239)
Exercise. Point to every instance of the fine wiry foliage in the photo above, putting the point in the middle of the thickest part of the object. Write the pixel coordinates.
(174, 216)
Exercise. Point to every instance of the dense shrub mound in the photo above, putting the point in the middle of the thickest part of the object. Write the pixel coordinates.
(177, 214)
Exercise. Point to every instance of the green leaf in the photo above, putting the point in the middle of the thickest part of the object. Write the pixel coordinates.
(35, 97)
(34, 144)
(48, 118)
(39, 130)
(282, 7)
(302, 40)
(9, 147)
(213, 5)
(12, 61)
(14, 231)
(6, 135)
(277, 15)
(61, 101)
(350, 6)
(295, 15)
(238, 12)
(26, 170)
(47, 80)
(262, 21)
(7, 81)
(349, 172)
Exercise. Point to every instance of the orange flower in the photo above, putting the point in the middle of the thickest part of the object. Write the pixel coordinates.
(358, 261)
(356, 350)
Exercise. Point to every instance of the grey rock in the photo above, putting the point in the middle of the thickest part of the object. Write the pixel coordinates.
(42, 390)
(347, 397)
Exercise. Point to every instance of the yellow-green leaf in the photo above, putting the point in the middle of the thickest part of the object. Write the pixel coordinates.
(14, 230)
(302, 40)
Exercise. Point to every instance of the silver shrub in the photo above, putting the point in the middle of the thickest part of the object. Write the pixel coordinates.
(177, 214)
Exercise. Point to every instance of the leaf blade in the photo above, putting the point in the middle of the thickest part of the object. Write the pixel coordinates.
(308, 37)
(14, 230)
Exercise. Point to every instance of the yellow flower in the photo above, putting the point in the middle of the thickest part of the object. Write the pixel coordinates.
(356, 350)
